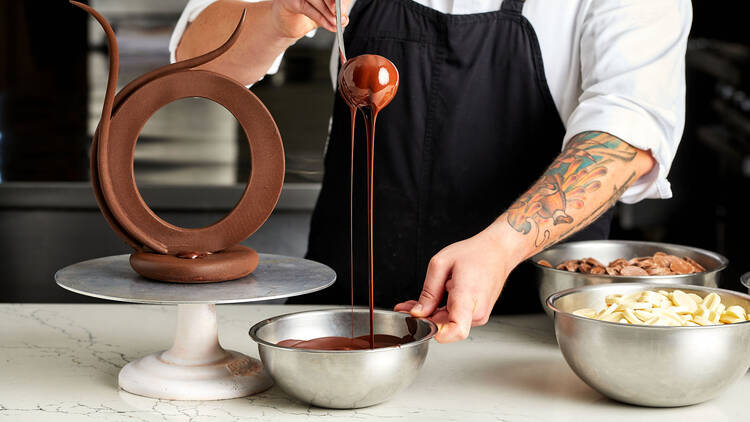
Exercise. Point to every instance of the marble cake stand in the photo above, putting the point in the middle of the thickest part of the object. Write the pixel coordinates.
(196, 367)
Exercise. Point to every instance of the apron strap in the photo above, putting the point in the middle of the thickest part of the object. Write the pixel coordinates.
(512, 6)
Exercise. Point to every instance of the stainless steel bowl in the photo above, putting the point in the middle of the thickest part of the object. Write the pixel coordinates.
(651, 365)
(342, 379)
(552, 281)
(745, 280)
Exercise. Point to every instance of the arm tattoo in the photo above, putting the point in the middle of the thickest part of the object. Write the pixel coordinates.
(565, 184)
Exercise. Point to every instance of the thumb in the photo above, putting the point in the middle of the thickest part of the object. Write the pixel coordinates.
(438, 271)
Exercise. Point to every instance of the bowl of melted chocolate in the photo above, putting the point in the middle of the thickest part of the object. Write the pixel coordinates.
(576, 264)
(330, 358)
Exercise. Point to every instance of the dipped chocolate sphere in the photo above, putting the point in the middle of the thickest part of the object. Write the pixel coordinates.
(368, 80)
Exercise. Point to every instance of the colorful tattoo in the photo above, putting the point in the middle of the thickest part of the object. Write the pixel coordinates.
(566, 183)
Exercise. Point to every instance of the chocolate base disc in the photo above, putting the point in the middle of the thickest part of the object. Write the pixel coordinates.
(230, 264)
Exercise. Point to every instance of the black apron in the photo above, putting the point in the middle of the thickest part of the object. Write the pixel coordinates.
(473, 126)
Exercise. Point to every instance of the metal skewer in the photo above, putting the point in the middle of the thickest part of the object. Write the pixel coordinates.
(340, 32)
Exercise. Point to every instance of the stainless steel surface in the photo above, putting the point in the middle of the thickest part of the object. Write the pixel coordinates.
(651, 365)
(340, 31)
(342, 379)
(550, 280)
(276, 277)
(745, 280)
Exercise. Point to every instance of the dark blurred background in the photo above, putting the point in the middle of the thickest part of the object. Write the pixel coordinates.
(191, 162)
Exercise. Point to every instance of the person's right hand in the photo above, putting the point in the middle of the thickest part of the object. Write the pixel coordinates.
(295, 18)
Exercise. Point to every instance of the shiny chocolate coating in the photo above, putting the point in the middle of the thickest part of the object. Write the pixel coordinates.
(368, 80)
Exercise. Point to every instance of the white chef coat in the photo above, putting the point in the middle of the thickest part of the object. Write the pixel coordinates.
(615, 66)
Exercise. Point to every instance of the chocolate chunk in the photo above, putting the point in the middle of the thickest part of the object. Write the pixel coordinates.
(544, 263)
(597, 270)
(659, 271)
(621, 262)
(698, 267)
(593, 262)
(570, 265)
(632, 270)
(646, 263)
(680, 267)
(613, 270)
(660, 258)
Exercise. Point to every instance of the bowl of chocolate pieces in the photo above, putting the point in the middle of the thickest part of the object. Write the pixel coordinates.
(576, 264)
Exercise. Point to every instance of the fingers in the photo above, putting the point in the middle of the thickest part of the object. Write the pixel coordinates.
(344, 9)
(405, 306)
(453, 325)
(327, 9)
(344, 17)
(319, 12)
(438, 271)
(460, 308)
(331, 4)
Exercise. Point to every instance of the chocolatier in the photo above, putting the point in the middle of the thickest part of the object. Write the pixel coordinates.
(517, 125)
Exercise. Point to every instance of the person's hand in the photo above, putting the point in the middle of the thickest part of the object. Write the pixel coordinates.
(295, 18)
(472, 272)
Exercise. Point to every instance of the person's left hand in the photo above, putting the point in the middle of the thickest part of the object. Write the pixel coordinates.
(473, 273)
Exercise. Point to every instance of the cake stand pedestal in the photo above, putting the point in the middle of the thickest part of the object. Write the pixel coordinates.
(196, 367)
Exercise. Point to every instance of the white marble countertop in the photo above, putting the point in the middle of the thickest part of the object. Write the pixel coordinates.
(60, 363)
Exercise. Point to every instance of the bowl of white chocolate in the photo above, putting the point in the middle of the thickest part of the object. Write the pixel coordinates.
(657, 345)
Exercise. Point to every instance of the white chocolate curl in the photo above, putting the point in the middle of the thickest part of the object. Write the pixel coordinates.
(674, 309)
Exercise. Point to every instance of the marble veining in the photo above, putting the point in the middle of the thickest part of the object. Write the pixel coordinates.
(60, 363)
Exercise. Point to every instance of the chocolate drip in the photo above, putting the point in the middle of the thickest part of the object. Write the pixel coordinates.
(367, 83)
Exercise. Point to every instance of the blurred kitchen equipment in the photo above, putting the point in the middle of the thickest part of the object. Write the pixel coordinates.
(745, 280)
(651, 365)
(342, 379)
(551, 280)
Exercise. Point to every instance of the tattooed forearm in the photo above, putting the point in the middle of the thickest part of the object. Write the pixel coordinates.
(570, 193)
(599, 210)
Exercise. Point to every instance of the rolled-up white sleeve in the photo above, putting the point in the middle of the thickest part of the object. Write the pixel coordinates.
(633, 81)
(191, 11)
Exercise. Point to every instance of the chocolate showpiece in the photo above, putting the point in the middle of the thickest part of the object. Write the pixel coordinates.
(163, 251)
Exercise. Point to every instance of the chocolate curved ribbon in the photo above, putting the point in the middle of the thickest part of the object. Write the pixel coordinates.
(123, 116)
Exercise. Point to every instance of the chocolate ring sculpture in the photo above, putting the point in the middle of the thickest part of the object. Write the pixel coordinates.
(164, 251)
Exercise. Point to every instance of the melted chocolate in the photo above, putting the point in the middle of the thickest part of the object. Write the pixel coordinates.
(191, 255)
(193, 267)
(353, 113)
(347, 343)
(367, 83)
